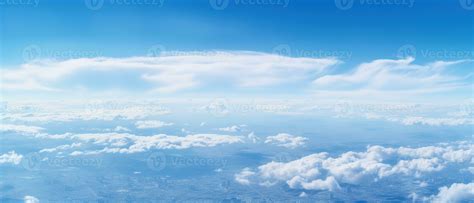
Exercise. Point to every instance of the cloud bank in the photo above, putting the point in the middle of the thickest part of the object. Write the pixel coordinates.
(322, 172)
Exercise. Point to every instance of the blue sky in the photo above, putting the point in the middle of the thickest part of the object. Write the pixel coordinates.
(369, 31)
(229, 100)
(429, 31)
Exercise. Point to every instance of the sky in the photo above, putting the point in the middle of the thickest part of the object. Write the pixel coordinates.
(349, 34)
(236, 100)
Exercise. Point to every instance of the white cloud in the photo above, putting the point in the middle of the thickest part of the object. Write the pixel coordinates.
(82, 110)
(151, 124)
(243, 176)
(11, 157)
(20, 128)
(437, 121)
(286, 140)
(321, 172)
(233, 128)
(31, 199)
(386, 78)
(171, 73)
(457, 192)
(121, 128)
(253, 138)
(61, 148)
(128, 143)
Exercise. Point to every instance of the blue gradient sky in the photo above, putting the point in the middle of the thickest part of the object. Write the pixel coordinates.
(368, 31)
(365, 32)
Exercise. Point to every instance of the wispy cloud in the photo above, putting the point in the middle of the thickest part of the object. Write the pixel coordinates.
(170, 73)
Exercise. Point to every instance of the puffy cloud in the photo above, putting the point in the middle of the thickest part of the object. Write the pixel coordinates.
(321, 172)
(128, 143)
(20, 128)
(11, 157)
(172, 72)
(286, 140)
(151, 124)
(243, 176)
(253, 138)
(31, 199)
(457, 192)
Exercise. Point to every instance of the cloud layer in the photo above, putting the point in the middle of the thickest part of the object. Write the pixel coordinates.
(322, 172)
(171, 72)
